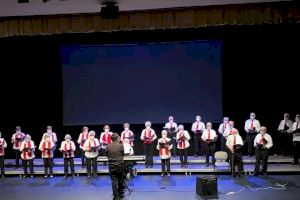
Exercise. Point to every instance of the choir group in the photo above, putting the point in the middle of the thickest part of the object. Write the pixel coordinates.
(174, 140)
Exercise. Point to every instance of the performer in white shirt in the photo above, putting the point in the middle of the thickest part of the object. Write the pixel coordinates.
(16, 139)
(91, 148)
(127, 134)
(222, 128)
(128, 150)
(283, 139)
(68, 148)
(262, 142)
(47, 147)
(83, 136)
(252, 127)
(148, 136)
(235, 143)
(296, 139)
(51, 134)
(197, 128)
(105, 138)
(183, 144)
(27, 149)
(209, 138)
(164, 146)
(171, 128)
(3, 146)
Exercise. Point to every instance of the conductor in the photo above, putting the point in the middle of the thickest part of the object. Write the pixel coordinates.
(115, 155)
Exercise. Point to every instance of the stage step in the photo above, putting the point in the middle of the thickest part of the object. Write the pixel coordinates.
(191, 160)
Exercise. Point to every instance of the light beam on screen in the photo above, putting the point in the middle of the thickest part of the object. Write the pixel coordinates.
(117, 83)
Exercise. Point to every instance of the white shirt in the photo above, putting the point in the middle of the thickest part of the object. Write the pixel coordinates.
(82, 138)
(3, 145)
(183, 144)
(128, 150)
(296, 138)
(223, 127)
(174, 125)
(198, 126)
(52, 135)
(164, 153)
(129, 135)
(27, 155)
(88, 145)
(47, 147)
(265, 136)
(212, 134)
(230, 140)
(68, 149)
(152, 134)
(256, 124)
(17, 139)
(289, 123)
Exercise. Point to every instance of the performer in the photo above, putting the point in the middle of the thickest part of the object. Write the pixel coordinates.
(128, 150)
(91, 148)
(3, 145)
(51, 134)
(183, 144)
(127, 134)
(235, 143)
(105, 138)
(209, 138)
(222, 128)
(296, 139)
(252, 127)
(68, 147)
(83, 136)
(115, 155)
(171, 128)
(47, 147)
(27, 149)
(16, 140)
(148, 136)
(263, 142)
(197, 128)
(164, 145)
(283, 139)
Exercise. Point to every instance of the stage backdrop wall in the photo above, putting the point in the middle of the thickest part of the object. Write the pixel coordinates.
(258, 74)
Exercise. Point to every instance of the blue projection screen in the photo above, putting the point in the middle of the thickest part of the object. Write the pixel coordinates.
(113, 84)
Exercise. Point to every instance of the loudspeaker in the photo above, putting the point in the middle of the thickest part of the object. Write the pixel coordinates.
(109, 11)
(207, 187)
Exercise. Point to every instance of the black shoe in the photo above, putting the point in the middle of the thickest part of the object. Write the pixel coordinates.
(181, 166)
(250, 156)
(255, 174)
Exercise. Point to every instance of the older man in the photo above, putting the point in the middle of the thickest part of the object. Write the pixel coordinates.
(252, 127)
(262, 142)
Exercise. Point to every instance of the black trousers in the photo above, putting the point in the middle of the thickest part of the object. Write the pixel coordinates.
(117, 176)
(67, 162)
(183, 153)
(209, 149)
(18, 153)
(2, 164)
(165, 162)
(198, 144)
(26, 164)
(83, 159)
(223, 143)
(48, 164)
(296, 151)
(148, 150)
(261, 155)
(250, 142)
(174, 143)
(91, 165)
(236, 159)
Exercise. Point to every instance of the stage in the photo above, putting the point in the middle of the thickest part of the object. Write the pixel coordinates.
(148, 187)
(277, 165)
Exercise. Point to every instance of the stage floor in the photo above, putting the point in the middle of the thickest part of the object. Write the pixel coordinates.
(277, 165)
(148, 187)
